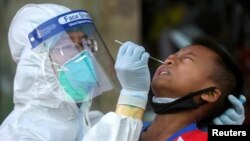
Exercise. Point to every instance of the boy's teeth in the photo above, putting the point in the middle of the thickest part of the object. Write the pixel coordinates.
(164, 73)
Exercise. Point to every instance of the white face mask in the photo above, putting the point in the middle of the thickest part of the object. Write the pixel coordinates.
(163, 99)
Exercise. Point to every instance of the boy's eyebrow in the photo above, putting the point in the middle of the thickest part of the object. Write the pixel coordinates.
(188, 53)
(184, 51)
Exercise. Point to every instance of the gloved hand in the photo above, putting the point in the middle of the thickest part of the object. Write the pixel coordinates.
(232, 116)
(133, 73)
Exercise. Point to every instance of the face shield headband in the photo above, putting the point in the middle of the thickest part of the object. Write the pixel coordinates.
(73, 45)
(181, 104)
(58, 24)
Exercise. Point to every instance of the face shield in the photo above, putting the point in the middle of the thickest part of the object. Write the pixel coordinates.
(79, 58)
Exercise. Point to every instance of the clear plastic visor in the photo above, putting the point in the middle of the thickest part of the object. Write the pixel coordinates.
(80, 59)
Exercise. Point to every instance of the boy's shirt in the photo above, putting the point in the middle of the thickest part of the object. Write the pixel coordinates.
(188, 133)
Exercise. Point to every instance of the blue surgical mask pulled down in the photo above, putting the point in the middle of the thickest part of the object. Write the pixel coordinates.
(78, 77)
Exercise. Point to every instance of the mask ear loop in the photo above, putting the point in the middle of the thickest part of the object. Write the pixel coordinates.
(43, 54)
(47, 68)
(61, 51)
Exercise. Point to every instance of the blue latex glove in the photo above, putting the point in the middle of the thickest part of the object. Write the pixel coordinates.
(235, 115)
(133, 73)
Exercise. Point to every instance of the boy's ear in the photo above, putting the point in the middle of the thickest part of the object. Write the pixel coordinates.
(212, 96)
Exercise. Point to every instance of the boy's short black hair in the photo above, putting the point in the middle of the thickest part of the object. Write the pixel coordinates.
(226, 75)
(226, 61)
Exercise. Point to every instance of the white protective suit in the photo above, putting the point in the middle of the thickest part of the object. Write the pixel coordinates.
(40, 114)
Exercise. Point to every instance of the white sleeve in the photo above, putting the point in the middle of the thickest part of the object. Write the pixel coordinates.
(115, 127)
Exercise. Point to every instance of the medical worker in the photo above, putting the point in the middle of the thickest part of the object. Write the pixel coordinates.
(62, 64)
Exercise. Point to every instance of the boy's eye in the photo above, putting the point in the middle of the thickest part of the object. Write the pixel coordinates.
(188, 58)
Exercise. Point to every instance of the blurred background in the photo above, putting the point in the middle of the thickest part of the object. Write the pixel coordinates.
(161, 26)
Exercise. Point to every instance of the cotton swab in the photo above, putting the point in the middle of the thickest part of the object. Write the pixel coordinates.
(119, 42)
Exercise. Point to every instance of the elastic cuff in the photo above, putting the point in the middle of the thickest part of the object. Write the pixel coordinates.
(133, 101)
